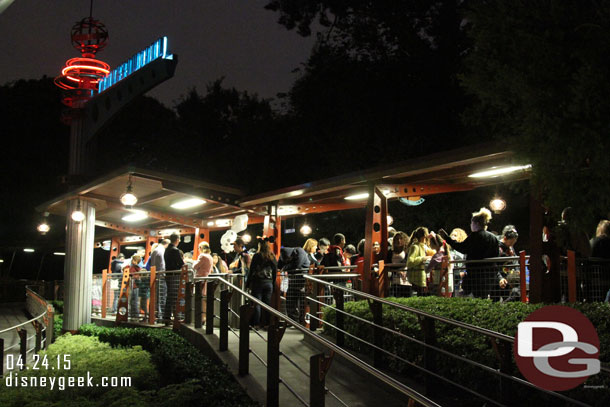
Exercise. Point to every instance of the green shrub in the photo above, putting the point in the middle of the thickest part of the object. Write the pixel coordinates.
(58, 324)
(87, 356)
(499, 317)
(58, 306)
(180, 364)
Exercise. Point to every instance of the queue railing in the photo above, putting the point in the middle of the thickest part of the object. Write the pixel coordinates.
(43, 326)
(584, 279)
(499, 279)
(319, 363)
(431, 351)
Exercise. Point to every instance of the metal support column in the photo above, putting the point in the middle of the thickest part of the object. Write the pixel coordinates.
(78, 268)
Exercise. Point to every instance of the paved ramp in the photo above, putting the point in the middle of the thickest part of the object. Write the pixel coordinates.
(345, 385)
(11, 315)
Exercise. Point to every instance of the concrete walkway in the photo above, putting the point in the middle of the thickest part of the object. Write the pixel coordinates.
(349, 386)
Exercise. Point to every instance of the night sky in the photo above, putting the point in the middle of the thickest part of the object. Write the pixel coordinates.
(239, 40)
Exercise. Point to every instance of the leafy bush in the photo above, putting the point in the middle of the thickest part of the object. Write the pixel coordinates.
(58, 306)
(184, 368)
(58, 324)
(499, 317)
(87, 355)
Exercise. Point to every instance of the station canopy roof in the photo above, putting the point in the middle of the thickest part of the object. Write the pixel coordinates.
(156, 191)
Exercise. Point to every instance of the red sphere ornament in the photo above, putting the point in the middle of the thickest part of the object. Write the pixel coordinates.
(79, 78)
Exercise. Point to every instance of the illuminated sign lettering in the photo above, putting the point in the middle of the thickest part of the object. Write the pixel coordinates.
(157, 49)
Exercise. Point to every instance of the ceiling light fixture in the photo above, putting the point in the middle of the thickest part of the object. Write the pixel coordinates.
(305, 230)
(78, 215)
(187, 203)
(497, 205)
(59, 253)
(223, 222)
(135, 216)
(28, 250)
(496, 172)
(128, 198)
(357, 197)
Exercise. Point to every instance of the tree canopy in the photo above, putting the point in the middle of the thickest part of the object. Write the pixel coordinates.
(539, 71)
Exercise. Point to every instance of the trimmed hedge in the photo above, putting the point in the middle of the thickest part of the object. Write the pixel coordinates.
(499, 317)
(191, 378)
(87, 356)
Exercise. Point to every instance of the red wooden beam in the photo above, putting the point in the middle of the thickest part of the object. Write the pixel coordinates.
(409, 190)
(122, 228)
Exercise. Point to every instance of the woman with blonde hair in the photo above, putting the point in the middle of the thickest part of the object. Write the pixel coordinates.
(204, 264)
(203, 267)
(416, 260)
(310, 247)
(480, 278)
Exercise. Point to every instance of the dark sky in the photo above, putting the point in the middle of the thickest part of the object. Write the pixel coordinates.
(236, 39)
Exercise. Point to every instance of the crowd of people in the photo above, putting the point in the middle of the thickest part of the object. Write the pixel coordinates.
(420, 263)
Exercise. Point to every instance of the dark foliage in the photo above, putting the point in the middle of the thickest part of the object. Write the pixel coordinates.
(180, 364)
(494, 316)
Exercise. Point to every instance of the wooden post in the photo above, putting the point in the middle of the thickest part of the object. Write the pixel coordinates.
(318, 368)
(245, 314)
(2, 357)
(188, 300)
(150, 241)
(571, 276)
(383, 284)
(376, 229)
(198, 304)
(181, 299)
(122, 308)
(37, 344)
(223, 340)
(104, 292)
(522, 280)
(115, 250)
(50, 331)
(276, 331)
(209, 319)
(535, 266)
(152, 303)
(23, 346)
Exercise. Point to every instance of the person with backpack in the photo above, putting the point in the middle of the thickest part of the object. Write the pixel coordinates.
(262, 271)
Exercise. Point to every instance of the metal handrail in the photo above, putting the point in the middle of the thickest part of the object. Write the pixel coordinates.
(459, 324)
(484, 331)
(23, 323)
(331, 346)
